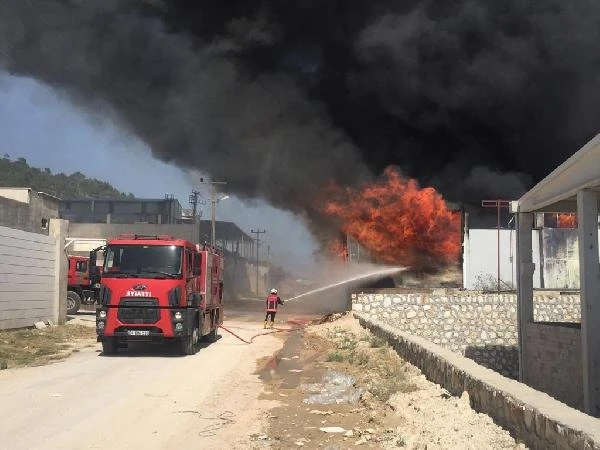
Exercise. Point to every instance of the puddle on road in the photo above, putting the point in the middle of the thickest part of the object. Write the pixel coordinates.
(286, 368)
(335, 388)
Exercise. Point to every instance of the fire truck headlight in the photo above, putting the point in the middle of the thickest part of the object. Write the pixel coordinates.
(178, 315)
(179, 326)
(102, 314)
(100, 325)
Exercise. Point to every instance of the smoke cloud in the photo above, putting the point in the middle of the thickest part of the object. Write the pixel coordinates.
(479, 100)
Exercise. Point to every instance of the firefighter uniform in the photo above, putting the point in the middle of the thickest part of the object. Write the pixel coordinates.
(273, 301)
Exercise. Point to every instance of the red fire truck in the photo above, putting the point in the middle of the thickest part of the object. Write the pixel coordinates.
(157, 288)
(81, 289)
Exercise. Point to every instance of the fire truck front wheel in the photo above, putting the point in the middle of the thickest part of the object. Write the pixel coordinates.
(73, 302)
(189, 342)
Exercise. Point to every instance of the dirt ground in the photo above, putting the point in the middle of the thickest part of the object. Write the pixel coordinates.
(331, 386)
(145, 397)
(387, 404)
(33, 347)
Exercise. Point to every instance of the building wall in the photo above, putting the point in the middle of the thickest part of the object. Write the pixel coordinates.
(17, 194)
(30, 277)
(480, 326)
(552, 356)
(555, 255)
(155, 211)
(112, 230)
(28, 215)
(480, 260)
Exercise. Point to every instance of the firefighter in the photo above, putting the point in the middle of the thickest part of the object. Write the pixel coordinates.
(273, 301)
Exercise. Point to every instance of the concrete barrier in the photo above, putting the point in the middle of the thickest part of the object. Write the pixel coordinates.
(534, 417)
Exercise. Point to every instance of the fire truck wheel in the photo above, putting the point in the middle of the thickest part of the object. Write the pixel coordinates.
(188, 346)
(109, 347)
(212, 336)
(73, 302)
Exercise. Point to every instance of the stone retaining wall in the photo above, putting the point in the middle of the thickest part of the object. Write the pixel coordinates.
(531, 416)
(480, 326)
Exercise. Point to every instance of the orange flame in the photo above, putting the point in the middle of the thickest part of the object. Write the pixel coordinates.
(399, 222)
(566, 220)
(339, 250)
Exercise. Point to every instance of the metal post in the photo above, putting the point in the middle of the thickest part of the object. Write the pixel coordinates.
(497, 204)
(257, 232)
(498, 244)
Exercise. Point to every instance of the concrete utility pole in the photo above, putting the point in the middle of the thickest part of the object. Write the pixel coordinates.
(257, 232)
(213, 203)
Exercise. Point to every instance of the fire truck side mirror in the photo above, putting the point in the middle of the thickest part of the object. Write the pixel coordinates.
(197, 269)
(93, 268)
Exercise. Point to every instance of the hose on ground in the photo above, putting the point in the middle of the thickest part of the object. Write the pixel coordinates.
(299, 324)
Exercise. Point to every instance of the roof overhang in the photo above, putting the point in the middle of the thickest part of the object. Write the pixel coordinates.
(558, 191)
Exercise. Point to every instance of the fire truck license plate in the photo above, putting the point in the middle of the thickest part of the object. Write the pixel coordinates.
(138, 332)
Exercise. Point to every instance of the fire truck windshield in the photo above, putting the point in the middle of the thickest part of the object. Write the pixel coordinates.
(142, 261)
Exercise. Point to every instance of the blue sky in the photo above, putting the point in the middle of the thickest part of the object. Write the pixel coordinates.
(42, 126)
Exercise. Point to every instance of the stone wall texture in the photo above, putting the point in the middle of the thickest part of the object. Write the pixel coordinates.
(531, 416)
(480, 326)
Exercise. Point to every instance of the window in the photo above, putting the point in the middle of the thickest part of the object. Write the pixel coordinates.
(81, 266)
(147, 261)
(189, 263)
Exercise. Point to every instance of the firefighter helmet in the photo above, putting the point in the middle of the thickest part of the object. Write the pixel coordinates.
(273, 291)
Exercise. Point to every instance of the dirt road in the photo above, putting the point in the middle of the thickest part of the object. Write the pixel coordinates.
(232, 395)
(144, 399)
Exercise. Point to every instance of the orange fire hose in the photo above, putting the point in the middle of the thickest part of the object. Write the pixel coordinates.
(298, 322)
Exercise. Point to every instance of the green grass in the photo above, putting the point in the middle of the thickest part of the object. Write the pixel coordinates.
(384, 372)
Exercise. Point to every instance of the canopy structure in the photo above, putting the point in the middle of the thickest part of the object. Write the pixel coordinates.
(558, 191)
(574, 186)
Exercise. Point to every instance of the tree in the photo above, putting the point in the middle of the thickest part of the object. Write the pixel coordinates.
(76, 186)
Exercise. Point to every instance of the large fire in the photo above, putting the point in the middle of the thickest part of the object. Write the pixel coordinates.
(398, 222)
(566, 220)
(560, 220)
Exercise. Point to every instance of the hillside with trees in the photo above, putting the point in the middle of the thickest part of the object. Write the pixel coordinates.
(18, 173)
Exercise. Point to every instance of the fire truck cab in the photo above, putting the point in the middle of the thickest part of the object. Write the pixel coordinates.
(157, 288)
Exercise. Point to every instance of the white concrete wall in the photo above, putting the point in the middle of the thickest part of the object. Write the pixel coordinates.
(480, 259)
(560, 255)
(555, 255)
(27, 278)
(18, 194)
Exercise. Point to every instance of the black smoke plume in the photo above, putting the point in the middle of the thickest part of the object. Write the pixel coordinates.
(478, 99)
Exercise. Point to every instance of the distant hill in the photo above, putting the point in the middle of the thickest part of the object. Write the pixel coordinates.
(75, 186)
